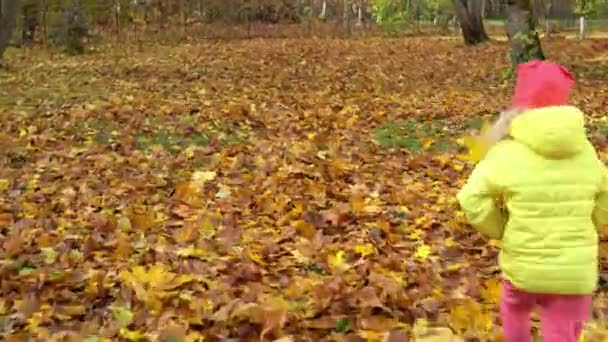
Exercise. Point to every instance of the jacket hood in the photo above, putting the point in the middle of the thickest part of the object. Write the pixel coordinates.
(542, 84)
(555, 132)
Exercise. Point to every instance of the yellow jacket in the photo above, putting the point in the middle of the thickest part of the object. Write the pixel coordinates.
(555, 194)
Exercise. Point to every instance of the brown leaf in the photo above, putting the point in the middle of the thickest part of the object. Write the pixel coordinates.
(304, 229)
(396, 336)
(46, 240)
(187, 233)
(223, 313)
(368, 298)
(13, 245)
(101, 222)
(28, 306)
(5, 219)
(175, 333)
(377, 323)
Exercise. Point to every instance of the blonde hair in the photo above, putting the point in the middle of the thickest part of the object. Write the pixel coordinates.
(500, 128)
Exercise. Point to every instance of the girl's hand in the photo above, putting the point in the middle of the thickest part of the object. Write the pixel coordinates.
(500, 129)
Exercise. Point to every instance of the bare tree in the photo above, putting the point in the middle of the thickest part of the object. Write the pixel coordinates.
(471, 21)
(8, 17)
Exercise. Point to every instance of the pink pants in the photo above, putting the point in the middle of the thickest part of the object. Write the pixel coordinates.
(562, 316)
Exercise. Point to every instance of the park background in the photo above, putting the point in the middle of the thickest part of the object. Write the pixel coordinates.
(263, 170)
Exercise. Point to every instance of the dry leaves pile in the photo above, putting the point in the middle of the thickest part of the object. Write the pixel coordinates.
(235, 191)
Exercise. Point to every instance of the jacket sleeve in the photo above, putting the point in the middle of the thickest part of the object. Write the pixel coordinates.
(478, 199)
(600, 212)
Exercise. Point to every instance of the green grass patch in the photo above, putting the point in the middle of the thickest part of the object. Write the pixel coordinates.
(417, 136)
(474, 123)
(398, 134)
(343, 326)
(599, 126)
(603, 128)
(160, 133)
(414, 136)
(177, 140)
(596, 71)
(230, 134)
(169, 140)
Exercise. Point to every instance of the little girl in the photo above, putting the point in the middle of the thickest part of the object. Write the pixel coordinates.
(555, 191)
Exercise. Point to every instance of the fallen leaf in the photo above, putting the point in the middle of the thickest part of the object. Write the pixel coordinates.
(365, 249)
(199, 178)
(337, 262)
(423, 251)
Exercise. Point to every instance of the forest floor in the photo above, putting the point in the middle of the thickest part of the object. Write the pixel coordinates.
(256, 189)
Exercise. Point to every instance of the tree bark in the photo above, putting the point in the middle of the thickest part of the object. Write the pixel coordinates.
(323, 14)
(471, 21)
(523, 38)
(8, 18)
(116, 7)
(346, 15)
(43, 20)
(163, 8)
(30, 12)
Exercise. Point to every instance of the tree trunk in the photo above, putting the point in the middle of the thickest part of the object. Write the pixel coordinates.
(30, 14)
(117, 9)
(43, 20)
(323, 14)
(7, 23)
(471, 22)
(524, 41)
(163, 8)
(346, 15)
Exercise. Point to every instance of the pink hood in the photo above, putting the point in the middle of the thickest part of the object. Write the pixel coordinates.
(542, 84)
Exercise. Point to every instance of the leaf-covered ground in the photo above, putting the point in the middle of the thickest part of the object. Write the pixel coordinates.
(262, 189)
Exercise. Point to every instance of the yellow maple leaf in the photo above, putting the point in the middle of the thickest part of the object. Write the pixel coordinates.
(370, 335)
(192, 251)
(365, 249)
(357, 204)
(207, 228)
(194, 337)
(477, 146)
(158, 276)
(4, 184)
(423, 251)
(132, 335)
(495, 243)
(469, 315)
(424, 332)
(416, 234)
(124, 224)
(337, 262)
(491, 291)
(257, 258)
(299, 257)
(155, 275)
(199, 178)
(304, 228)
(427, 143)
(455, 267)
(123, 315)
